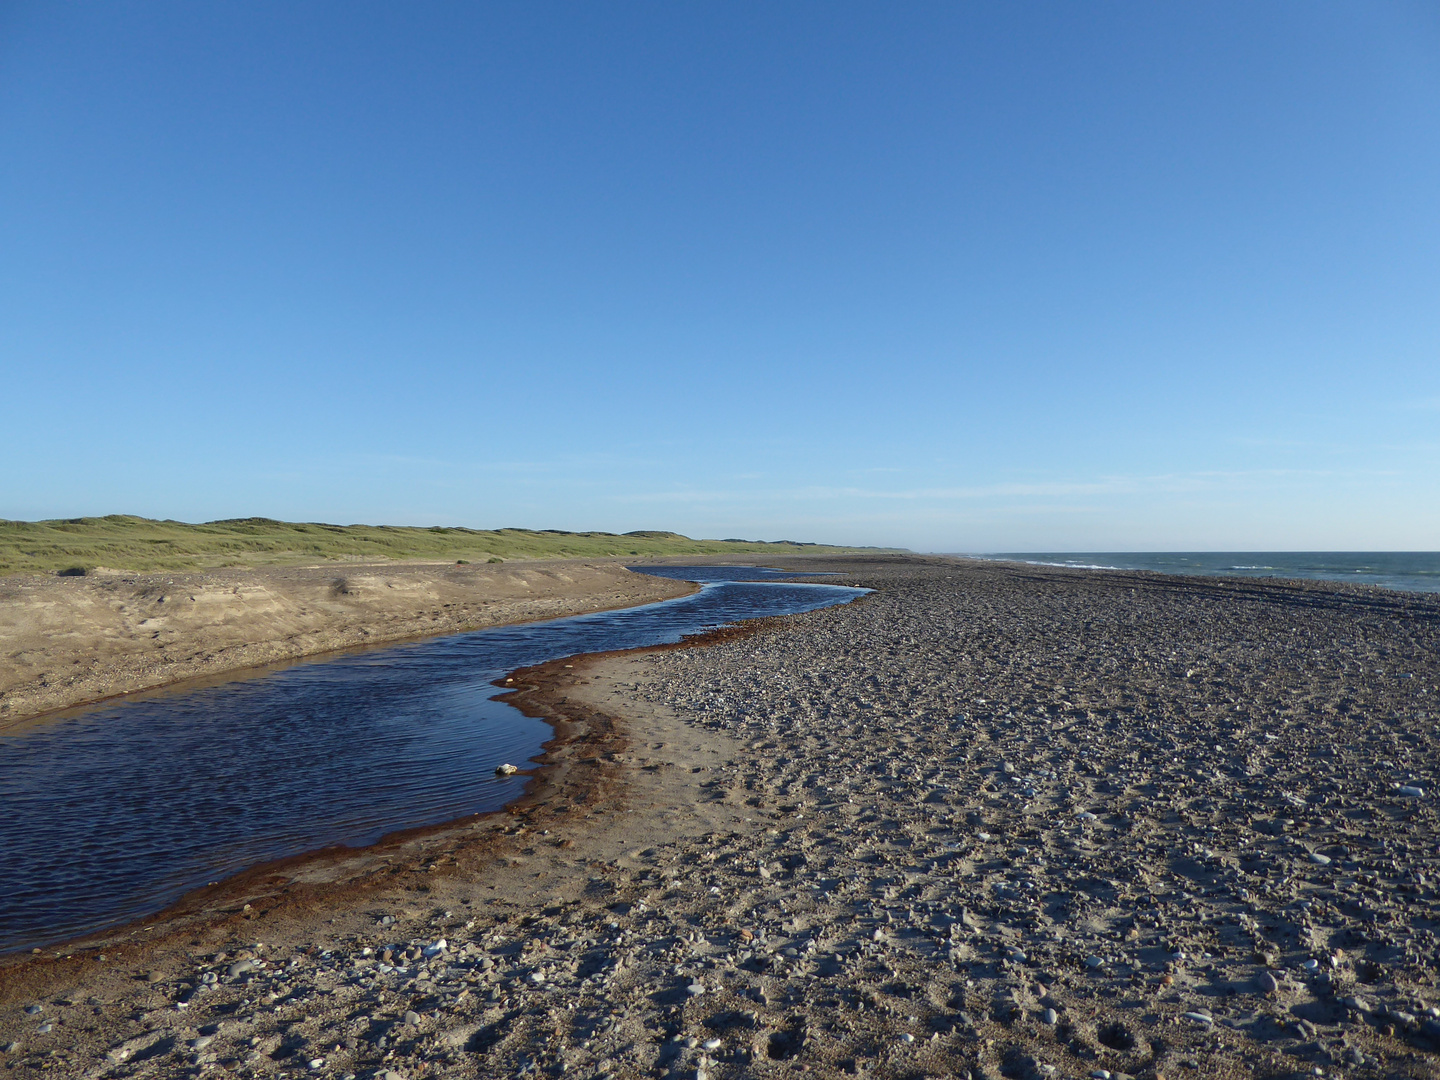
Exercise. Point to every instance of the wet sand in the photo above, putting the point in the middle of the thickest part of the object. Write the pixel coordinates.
(68, 641)
(996, 820)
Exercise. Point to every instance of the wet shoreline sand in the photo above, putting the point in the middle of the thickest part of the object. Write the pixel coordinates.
(993, 819)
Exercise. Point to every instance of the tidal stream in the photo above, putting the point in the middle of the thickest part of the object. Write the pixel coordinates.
(112, 813)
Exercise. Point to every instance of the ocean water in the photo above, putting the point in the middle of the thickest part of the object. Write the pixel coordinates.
(1409, 571)
(111, 813)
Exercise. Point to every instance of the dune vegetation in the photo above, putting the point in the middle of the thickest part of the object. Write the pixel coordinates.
(123, 542)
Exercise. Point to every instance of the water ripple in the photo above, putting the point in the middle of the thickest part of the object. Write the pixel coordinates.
(113, 813)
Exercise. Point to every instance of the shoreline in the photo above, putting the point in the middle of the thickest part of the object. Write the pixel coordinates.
(914, 815)
(1338, 579)
(341, 872)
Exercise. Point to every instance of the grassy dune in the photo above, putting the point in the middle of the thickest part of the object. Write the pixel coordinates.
(132, 543)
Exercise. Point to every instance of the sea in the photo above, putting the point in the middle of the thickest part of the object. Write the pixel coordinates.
(1408, 571)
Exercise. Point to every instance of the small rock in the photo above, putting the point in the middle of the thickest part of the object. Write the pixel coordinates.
(1409, 791)
(506, 770)
(1049, 1016)
(1267, 983)
(33, 1010)
(1200, 1017)
(412, 1018)
(695, 989)
(242, 967)
(1318, 859)
(1093, 962)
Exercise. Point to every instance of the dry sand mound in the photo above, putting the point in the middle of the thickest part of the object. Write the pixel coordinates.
(69, 640)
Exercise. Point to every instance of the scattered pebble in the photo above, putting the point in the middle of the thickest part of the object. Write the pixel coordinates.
(878, 894)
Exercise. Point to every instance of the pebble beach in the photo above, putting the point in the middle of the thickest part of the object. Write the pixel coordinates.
(990, 821)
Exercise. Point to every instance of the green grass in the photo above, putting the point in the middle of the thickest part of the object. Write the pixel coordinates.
(132, 543)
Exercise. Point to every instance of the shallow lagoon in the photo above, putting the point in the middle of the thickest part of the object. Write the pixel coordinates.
(114, 812)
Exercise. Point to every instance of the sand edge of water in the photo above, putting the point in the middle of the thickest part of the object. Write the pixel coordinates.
(70, 642)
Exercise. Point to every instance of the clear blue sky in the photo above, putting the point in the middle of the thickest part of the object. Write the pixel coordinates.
(958, 277)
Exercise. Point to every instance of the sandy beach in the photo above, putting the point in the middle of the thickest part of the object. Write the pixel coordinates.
(991, 821)
(68, 641)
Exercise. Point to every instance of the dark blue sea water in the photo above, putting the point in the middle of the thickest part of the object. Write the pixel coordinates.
(112, 813)
(1411, 571)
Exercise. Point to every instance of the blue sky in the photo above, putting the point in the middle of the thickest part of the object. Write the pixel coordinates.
(957, 277)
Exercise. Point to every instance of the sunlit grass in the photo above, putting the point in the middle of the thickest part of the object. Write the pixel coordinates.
(123, 542)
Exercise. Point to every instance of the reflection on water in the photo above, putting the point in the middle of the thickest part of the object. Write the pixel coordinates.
(114, 812)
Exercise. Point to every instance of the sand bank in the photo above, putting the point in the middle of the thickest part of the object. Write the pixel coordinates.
(991, 821)
(66, 641)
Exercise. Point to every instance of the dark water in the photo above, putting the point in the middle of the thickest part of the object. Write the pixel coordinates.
(1409, 571)
(114, 812)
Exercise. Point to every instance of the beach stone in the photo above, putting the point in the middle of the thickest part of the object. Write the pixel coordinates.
(1266, 983)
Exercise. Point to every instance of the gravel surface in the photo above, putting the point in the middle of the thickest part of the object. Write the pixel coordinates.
(990, 821)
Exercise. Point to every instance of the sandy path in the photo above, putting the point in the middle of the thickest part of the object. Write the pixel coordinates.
(68, 641)
(991, 821)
